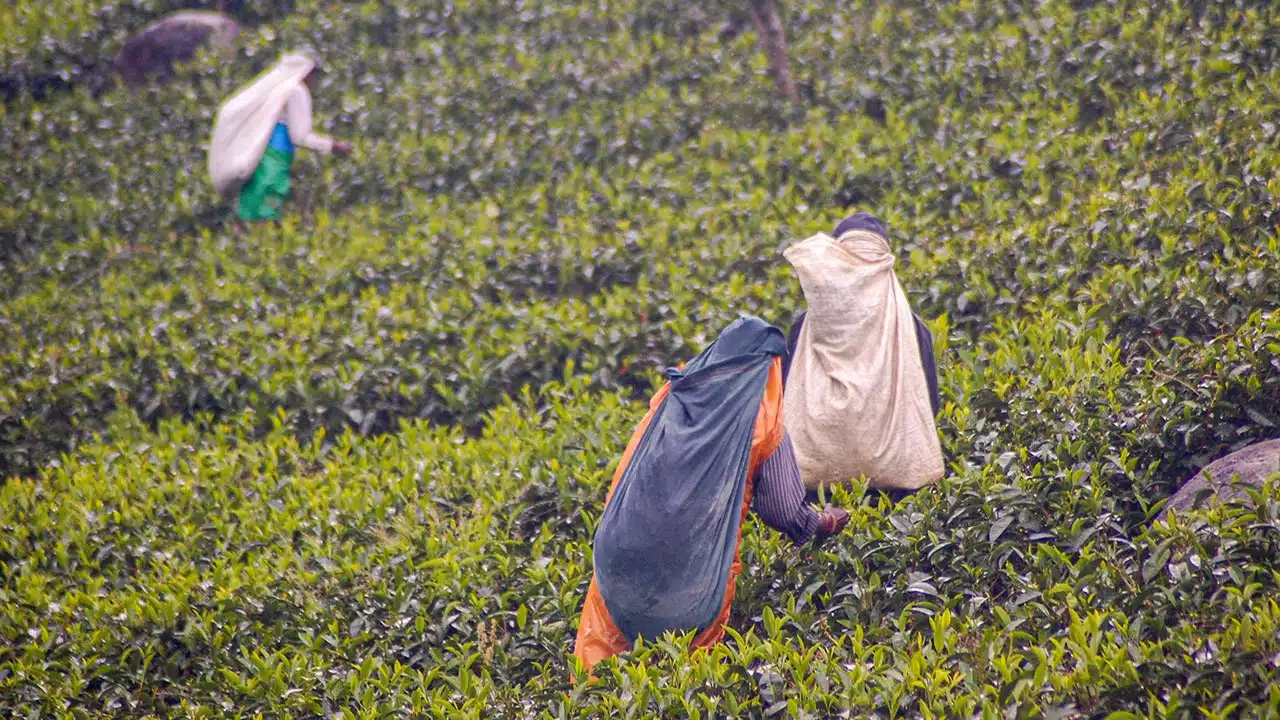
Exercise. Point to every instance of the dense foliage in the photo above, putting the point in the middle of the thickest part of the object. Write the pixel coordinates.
(47, 46)
(352, 462)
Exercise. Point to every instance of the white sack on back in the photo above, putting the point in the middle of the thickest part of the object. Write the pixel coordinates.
(245, 123)
(857, 402)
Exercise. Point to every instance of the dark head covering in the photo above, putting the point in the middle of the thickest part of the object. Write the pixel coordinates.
(862, 221)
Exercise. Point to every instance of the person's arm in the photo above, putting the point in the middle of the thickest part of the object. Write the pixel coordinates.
(298, 119)
(779, 496)
(793, 338)
(924, 339)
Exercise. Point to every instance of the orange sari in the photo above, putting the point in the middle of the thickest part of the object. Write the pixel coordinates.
(598, 637)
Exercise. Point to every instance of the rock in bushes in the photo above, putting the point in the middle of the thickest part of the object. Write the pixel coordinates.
(172, 39)
(1218, 480)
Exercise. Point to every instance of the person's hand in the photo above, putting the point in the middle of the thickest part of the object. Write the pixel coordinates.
(341, 149)
(833, 520)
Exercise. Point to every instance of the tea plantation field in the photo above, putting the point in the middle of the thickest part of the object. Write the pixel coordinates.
(350, 464)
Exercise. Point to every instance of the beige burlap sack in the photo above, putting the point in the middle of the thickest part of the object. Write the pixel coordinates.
(245, 122)
(856, 401)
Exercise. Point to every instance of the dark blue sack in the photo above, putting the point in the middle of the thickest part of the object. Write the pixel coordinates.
(668, 536)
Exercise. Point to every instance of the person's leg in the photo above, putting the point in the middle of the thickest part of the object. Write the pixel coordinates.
(263, 196)
(924, 340)
(598, 637)
(277, 166)
(249, 208)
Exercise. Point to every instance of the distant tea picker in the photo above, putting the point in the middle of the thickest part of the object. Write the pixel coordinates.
(251, 154)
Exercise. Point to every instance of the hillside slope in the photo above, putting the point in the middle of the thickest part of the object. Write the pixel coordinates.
(353, 461)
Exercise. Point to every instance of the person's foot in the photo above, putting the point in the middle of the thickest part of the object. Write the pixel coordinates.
(832, 521)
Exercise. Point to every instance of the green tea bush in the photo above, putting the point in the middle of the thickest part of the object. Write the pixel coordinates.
(195, 570)
(352, 462)
(51, 46)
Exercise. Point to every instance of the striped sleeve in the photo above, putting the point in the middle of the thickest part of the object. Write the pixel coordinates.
(779, 496)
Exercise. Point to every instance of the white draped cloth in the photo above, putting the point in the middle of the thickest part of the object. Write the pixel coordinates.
(245, 122)
(857, 402)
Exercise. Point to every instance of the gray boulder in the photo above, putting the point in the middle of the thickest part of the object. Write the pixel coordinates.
(172, 39)
(1226, 477)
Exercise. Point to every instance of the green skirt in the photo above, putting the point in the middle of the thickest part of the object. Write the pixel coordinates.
(266, 191)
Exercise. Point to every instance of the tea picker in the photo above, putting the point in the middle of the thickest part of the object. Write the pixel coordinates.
(254, 135)
(861, 382)
(711, 447)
